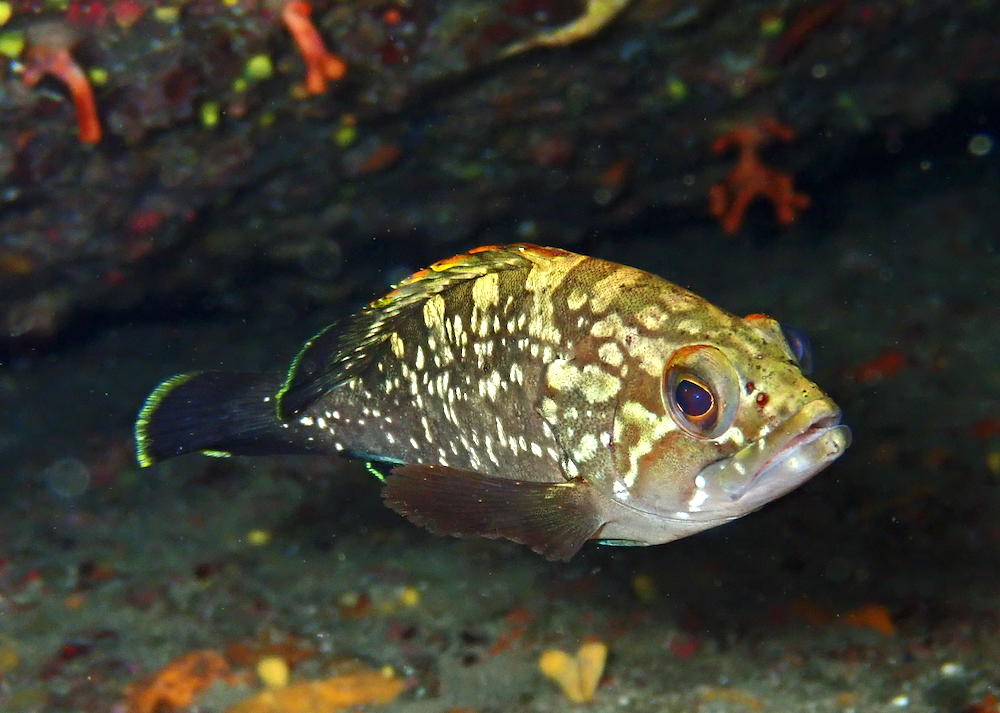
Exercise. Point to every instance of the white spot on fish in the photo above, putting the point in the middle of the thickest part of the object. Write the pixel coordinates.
(610, 353)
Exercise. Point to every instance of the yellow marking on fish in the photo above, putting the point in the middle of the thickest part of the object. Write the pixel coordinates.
(648, 351)
(602, 329)
(596, 385)
(606, 290)
(398, 347)
(610, 353)
(651, 429)
(561, 375)
(733, 435)
(651, 317)
(549, 409)
(545, 276)
(434, 312)
(576, 299)
(688, 325)
(486, 291)
(586, 448)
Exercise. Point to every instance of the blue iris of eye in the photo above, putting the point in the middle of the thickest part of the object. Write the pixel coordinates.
(800, 346)
(692, 399)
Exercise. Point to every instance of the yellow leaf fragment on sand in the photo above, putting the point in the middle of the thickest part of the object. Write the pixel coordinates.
(273, 671)
(596, 17)
(327, 695)
(577, 675)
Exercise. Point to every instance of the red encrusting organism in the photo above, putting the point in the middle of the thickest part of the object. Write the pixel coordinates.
(321, 64)
(48, 53)
(750, 178)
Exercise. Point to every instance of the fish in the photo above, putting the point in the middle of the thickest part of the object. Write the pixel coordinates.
(532, 394)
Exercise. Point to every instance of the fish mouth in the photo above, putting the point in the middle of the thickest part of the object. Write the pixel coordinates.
(772, 465)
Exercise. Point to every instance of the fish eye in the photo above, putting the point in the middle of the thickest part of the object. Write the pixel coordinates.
(695, 400)
(701, 390)
(801, 347)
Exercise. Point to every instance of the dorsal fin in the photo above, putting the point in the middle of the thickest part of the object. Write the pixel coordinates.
(334, 356)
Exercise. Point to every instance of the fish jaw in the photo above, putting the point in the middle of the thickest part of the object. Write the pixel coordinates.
(772, 465)
(728, 488)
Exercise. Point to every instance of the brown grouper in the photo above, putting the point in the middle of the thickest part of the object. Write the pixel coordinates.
(533, 394)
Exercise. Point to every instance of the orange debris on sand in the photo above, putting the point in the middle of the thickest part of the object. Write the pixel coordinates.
(871, 616)
(179, 683)
(48, 53)
(518, 619)
(577, 675)
(326, 696)
(750, 178)
(321, 64)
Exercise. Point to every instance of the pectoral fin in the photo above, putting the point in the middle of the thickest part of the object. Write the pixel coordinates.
(553, 519)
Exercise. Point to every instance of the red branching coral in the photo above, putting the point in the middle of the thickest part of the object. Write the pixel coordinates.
(48, 53)
(750, 178)
(321, 65)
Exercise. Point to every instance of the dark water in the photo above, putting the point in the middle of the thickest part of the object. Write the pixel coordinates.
(108, 572)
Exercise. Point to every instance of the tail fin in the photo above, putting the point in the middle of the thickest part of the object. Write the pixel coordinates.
(218, 413)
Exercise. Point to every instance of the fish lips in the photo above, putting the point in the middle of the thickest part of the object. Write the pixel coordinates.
(772, 465)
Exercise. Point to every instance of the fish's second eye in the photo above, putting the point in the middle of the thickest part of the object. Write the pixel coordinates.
(694, 399)
(798, 342)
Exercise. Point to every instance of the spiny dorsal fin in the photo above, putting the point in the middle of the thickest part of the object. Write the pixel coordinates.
(332, 357)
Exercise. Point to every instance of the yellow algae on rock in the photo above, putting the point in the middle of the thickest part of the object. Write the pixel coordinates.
(597, 15)
(325, 696)
(577, 675)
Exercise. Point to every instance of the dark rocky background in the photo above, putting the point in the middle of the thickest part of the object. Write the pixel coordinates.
(225, 214)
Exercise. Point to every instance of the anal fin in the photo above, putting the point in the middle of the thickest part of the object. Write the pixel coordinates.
(553, 519)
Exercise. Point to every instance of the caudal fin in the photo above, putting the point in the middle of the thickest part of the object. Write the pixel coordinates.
(218, 413)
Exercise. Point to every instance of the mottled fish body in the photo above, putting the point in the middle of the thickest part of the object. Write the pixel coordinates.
(534, 394)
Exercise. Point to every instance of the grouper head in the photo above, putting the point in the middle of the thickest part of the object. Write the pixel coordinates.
(729, 423)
